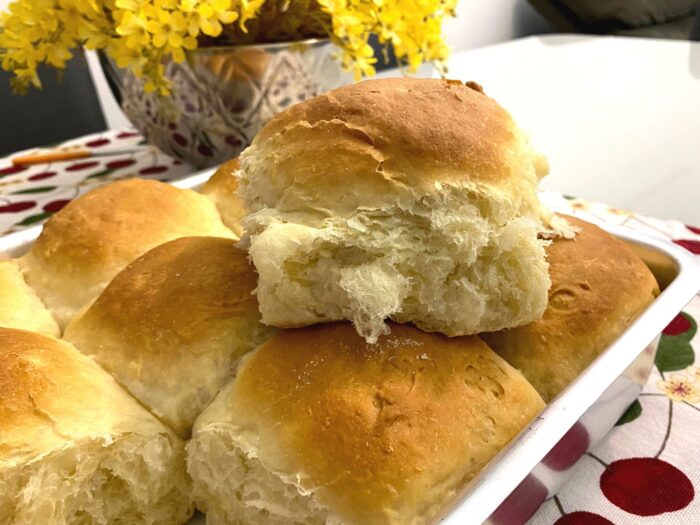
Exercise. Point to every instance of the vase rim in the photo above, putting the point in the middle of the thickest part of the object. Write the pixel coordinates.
(313, 42)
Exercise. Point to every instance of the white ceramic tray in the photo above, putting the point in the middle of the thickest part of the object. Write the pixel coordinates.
(538, 461)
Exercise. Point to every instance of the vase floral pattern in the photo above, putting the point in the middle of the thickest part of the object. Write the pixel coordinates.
(221, 97)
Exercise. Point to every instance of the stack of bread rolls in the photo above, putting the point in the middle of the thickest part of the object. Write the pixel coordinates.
(300, 343)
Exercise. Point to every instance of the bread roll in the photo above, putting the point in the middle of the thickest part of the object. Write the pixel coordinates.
(222, 189)
(409, 199)
(19, 305)
(76, 448)
(599, 286)
(86, 243)
(172, 325)
(320, 427)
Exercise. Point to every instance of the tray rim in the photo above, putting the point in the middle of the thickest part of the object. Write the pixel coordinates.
(512, 465)
(520, 457)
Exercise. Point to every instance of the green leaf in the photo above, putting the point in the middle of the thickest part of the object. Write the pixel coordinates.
(102, 173)
(204, 137)
(632, 413)
(34, 219)
(674, 353)
(178, 152)
(41, 189)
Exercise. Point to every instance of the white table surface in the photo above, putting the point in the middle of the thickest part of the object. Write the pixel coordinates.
(618, 118)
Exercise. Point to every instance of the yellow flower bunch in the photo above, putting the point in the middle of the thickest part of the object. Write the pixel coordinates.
(45, 31)
(413, 28)
(142, 34)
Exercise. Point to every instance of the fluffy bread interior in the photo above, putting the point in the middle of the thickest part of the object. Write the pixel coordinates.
(75, 448)
(20, 307)
(457, 263)
(102, 480)
(405, 199)
(232, 485)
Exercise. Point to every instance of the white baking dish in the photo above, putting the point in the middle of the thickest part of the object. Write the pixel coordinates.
(534, 465)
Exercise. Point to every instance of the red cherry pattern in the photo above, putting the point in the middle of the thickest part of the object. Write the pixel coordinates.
(646, 486)
(521, 504)
(690, 245)
(679, 325)
(54, 206)
(152, 170)
(121, 163)
(180, 139)
(569, 449)
(17, 168)
(15, 207)
(44, 175)
(127, 134)
(204, 150)
(233, 141)
(582, 518)
(97, 143)
(79, 166)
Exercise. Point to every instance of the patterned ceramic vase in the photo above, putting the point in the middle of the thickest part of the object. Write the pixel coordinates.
(221, 96)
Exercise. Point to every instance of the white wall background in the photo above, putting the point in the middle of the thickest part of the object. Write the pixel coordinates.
(483, 22)
(478, 23)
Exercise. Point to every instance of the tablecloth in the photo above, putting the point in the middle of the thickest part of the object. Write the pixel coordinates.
(647, 471)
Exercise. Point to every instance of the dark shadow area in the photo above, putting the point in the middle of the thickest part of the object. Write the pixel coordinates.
(65, 108)
(672, 19)
(527, 21)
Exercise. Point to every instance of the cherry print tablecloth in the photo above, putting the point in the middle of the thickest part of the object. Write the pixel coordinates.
(648, 470)
(30, 194)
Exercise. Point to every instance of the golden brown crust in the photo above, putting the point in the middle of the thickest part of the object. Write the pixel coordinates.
(599, 286)
(86, 243)
(384, 433)
(173, 323)
(401, 121)
(113, 223)
(389, 135)
(221, 188)
(51, 395)
(183, 288)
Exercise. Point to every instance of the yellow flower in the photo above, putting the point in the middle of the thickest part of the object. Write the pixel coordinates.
(206, 16)
(142, 34)
(680, 388)
(167, 27)
(414, 29)
(132, 26)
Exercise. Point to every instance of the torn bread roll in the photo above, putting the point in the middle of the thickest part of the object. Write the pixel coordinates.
(76, 448)
(599, 287)
(85, 244)
(407, 199)
(173, 324)
(320, 427)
